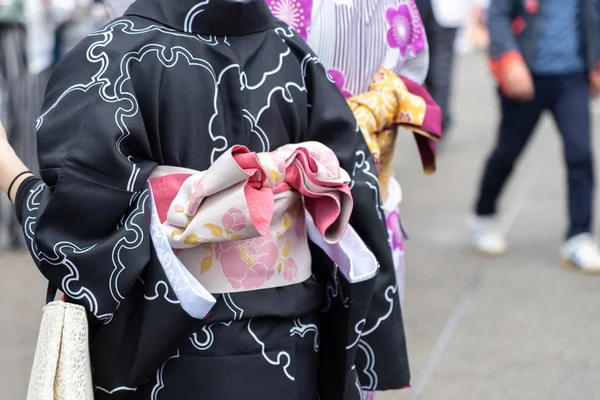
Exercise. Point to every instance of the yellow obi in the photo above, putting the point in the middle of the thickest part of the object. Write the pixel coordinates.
(390, 103)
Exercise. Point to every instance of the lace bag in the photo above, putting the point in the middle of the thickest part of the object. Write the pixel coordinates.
(61, 366)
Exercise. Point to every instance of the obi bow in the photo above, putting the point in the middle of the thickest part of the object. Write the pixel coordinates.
(394, 102)
(241, 224)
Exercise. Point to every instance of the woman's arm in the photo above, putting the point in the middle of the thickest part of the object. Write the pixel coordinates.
(12, 170)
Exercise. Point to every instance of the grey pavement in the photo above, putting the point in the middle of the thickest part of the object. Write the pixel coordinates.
(519, 327)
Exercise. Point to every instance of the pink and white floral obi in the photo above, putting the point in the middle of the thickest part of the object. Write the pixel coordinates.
(241, 224)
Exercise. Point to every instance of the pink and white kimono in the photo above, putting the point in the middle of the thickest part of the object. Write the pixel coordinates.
(354, 39)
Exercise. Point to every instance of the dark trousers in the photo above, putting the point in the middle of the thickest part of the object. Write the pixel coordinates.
(567, 98)
(441, 60)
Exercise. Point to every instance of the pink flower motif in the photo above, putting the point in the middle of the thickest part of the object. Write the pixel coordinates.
(198, 195)
(290, 270)
(406, 116)
(406, 30)
(327, 159)
(379, 77)
(248, 264)
(295, 13)
(234, 220)
(339, 79)
(394, 226)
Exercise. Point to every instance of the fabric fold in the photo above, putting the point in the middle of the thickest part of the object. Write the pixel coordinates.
(240, 225)
(393, 102)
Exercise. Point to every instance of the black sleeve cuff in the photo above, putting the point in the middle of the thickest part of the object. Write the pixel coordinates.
(21, 197)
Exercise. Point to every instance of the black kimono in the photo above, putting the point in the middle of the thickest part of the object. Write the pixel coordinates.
(178, 82)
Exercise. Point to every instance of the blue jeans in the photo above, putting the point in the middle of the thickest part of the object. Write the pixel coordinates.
(567, 98)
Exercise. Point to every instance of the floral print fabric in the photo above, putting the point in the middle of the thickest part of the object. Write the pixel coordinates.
(406, 32)
(240, 225)
(296, 13)
(354, 38)
(390, 104)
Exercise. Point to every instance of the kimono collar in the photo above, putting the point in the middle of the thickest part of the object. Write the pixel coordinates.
(207, 17)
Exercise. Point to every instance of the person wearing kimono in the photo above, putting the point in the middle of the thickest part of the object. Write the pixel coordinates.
(177, 109)
(377, 53)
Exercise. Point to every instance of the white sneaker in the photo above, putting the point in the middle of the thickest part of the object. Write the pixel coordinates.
(582, 252)
(487, 238)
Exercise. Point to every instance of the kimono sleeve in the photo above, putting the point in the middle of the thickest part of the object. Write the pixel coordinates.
(383, 339)
(85, 222)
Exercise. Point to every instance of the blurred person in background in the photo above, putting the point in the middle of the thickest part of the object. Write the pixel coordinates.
(544, 57)
(442, 19)
(473, 36)
(27, 43)
(89, 16)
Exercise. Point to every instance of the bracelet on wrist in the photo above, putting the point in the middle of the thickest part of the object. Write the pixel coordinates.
(14, 181)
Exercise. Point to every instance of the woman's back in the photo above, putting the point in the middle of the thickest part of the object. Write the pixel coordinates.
(203, 92)
(177, 84)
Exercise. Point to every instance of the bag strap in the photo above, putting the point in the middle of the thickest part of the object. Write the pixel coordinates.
(51, 293)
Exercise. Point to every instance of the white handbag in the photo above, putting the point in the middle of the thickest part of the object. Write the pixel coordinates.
(61, 366)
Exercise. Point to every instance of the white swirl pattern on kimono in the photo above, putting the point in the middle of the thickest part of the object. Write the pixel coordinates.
(363, 165)
(158, 295)
(115, 390)
(160, 384)
(112, 92)
(334, 290)
(233, 307)
(210, 336)
(280, 355)
(301, 330)
(121, 114)
(61, 258)
(127, 244)
(369, 368)
(365, 347)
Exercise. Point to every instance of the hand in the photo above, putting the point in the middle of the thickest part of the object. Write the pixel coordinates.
(594, 83)
(517, 83)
